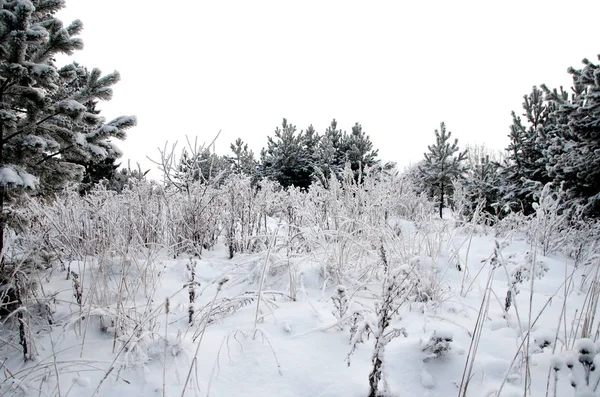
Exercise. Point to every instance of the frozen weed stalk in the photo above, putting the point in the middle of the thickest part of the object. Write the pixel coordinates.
(583, 376)
(167, 310)
(478, 329)
(191, 285)
(340, 304)
(194, 363)
(395, 293)
(439, 344)
(521, 272)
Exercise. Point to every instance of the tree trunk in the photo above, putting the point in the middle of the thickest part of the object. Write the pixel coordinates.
(441, 199)
(375, 375)
(2, 224)
(2, 188)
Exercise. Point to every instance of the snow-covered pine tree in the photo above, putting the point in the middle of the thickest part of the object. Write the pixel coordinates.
(46, 130)
(126, 177)
(299, 159)
(96, 168)
(242, 161)
(524, 167)
(286, 158)
(204, 167)
(330, 157)
(187, 171)
(443, 164)
(357, 148)
(311, 141)
(98, 171)
(482, 180)
(574, 150)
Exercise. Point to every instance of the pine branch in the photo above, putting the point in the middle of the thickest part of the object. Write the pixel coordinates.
(19, 132)
(48, 157)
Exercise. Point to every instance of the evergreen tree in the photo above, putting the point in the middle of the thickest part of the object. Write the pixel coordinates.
(299, 159)
(98, 171)
(286, 158)
(330, 159)
(126, 178)
(311, 141)
(443, 164)
(242, 161)
(203, 167)
(96, 168)
(46, 127)
(482, 181)
(574, 151)
(524, 168)
(357, 149)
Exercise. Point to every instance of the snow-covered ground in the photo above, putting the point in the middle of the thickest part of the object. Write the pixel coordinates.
(302, 312)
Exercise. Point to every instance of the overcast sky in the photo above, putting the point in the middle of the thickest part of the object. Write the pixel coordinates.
(193, 67)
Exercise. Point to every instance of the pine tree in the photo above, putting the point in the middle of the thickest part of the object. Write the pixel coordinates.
(330, 159)
(204, 167)
(311, 141)
(337, 147)
(482, 181)
(300, 159)
(96, 168)
(442, 166)
(96, 172)
(524, 168)
(574, 151)
(357, 149)
(46, 129)
(242, 161)
(286, 159)
(126, 178)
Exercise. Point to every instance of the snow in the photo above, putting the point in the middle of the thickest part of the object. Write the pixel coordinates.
(270, 344)
(71, 106)
(115, 149)
(82, 381)
(446, 334)
(97, 150)
(114, 127)
(105, 130)
(585, 346)
(37, 33)
(41, 69)
(557, 362)
(11, 176)
(80, 139)
(29, 180)
(427, 379)
(34, 141)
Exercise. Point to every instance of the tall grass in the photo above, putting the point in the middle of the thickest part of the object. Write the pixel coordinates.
(111, 247)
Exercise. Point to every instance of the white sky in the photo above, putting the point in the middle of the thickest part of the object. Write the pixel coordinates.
(194, 67)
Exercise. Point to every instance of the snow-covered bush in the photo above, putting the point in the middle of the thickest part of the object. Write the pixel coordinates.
(421, 272)
(396, 288)
(583, 242)
(551, 224)
(581, 366)
(439, 344)
(341, 303)
(521, 272)
(511, 225)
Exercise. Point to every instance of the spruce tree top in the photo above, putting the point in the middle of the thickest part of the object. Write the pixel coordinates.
(442, 166)
(441, 161)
